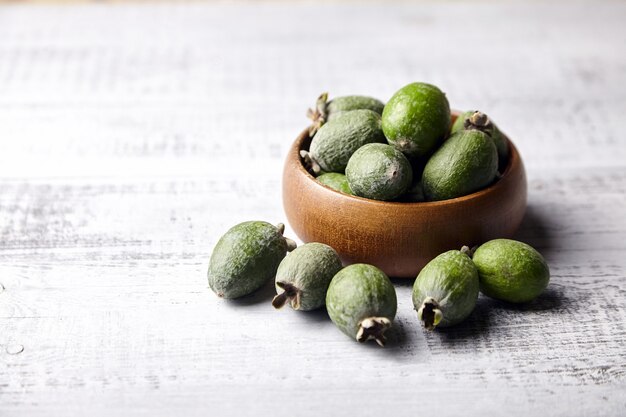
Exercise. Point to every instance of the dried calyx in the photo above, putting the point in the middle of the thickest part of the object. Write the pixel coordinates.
(291, 245)
(373, 328)
(309, 163)
(290, 294)
(466, 250)
(429, 313)
(319, 115)
(478, 121)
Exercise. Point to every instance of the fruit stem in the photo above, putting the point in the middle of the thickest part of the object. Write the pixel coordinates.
(290, 293)
(429, 313)
(373, 328)
(281, 228)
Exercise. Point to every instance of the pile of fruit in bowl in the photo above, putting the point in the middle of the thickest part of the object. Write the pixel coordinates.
(407, 189)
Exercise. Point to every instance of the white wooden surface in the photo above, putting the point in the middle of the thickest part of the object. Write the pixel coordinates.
(133, 136)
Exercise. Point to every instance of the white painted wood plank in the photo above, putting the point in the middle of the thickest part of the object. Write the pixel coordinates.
(133, 136)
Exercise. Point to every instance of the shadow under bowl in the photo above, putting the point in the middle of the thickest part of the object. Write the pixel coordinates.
(398, 237)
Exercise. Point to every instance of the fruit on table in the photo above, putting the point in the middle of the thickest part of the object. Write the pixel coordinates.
(304, 275)
(336, 181)
(379, 171)
(416, 119)
(326, 110)
(361, 301)
(466, 162)
(479, 121)
(510, 270)
(446, 289)
(336, 141)
(246, 257)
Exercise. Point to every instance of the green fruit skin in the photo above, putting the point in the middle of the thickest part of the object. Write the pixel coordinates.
(511, 271)
(466, 162)
(379, 171)
(336, 181)
(338, 105)
(357, 292)
(416, 119)
(245, 258)
(501, 142)
(452, 280)
(459, 123)
(336, 141)
(309, 268)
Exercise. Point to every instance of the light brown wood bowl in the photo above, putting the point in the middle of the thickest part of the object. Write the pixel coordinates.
(399, 238)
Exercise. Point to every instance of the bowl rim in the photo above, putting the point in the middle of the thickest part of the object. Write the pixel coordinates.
(514, 159)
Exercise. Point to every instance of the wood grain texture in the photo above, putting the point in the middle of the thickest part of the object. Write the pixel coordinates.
(133, 136)
(399, 238)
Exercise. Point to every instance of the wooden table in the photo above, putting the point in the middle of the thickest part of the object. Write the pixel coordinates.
(132, 136)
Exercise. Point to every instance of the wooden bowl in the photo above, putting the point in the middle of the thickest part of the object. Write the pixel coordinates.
(399, 238)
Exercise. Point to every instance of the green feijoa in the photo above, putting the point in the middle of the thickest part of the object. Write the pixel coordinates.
(336, 181)
(459, 123)
(336, 141)
(362, 302)
(379, 171)
(511, 271)
(466, 162)
(326, 110)
(247, 256)
(446, 289)
(304, 275)
(479, 121)
(416, 119)
(342, 104)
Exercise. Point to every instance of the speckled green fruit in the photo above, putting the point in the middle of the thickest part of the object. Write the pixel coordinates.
(446, 289)
(336, 141)
(474, 119)
(326, 110)
(362, 302)
(466, 162)
(304, 275)
(379, 171)
(416, 119)
(246, 257)
(336, 181)
(511, 271)
(342, 104)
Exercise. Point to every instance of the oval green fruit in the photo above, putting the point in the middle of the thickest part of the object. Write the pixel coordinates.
(511, 271)
(466, 162)
(326, 110)
(304, 275)
(379, 171)
(416, 119)
(362, 302)
(246, 257)
(446, 289)
(336, 141)
(342, 104)
(459, 122)
(476, 120)
(336, 181)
